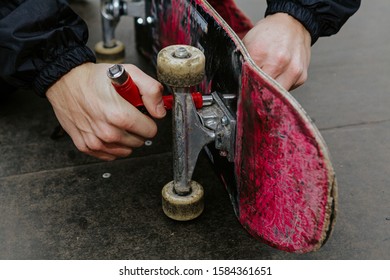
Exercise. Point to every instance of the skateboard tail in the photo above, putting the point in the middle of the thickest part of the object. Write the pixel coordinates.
(233, 16)
(172, 27)
(285, 180)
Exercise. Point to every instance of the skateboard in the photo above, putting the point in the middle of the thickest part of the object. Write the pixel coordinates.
(270, 156)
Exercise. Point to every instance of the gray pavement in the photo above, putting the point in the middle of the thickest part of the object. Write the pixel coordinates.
(55, 203)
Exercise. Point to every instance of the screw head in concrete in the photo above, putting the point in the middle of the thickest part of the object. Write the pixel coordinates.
(148, 143)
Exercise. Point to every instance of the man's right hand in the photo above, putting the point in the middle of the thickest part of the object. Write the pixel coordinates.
(99, 121)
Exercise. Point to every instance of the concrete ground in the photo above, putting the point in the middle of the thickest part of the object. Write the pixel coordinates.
(55, 203)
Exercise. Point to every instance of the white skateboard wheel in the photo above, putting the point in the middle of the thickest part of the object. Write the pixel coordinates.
(180, 66)
(114, 55)
(183, 207)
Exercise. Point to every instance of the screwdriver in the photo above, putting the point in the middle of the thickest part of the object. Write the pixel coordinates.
(126, 88)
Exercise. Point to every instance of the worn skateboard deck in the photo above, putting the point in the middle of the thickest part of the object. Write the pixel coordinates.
(281, 184)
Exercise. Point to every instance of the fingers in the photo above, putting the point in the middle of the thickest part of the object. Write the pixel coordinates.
(119, 136)
(150, 90)
(90, 144)
(288, 73)
(124, 126)
(291, 80)
(129, 120)
(280, 46)
(109, 145)
(103, 150)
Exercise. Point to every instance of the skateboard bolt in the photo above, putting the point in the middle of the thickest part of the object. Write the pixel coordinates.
(225, 120)
(181, 52)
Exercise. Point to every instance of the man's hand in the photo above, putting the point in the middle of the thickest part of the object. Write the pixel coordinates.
(281, 46)
(99, 121)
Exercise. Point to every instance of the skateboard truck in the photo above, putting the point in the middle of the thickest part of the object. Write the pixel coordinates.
(181, 67)
(110, 49)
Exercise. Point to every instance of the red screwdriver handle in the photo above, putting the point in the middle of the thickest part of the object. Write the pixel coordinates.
(125, 87)
(129, 91)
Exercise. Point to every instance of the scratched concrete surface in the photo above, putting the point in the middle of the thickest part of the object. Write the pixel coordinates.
(55, 204)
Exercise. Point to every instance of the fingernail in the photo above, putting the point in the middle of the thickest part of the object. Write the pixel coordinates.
(161, 109)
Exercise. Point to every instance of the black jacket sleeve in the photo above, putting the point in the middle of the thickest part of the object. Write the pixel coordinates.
(320, 17)
(40, 41)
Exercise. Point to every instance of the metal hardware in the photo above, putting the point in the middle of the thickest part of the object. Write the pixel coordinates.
(112, 10)
(219, 119)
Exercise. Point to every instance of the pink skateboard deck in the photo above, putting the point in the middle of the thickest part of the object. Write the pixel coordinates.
(282, 184)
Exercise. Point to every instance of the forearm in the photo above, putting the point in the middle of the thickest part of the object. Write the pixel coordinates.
(320, 17)
(40, 41)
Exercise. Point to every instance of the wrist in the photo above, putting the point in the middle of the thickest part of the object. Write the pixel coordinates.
(292, 25)
(69, 79)
(62, 65)
(300, 13)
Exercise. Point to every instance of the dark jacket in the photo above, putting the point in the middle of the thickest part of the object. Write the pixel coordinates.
(320, 17)
(41, 40)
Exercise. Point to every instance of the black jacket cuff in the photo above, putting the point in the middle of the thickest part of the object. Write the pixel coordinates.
(300, 13)
(52, 72)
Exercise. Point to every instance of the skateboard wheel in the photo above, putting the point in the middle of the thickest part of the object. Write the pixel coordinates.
(114, 55)
(180, 66)
(183, 208)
